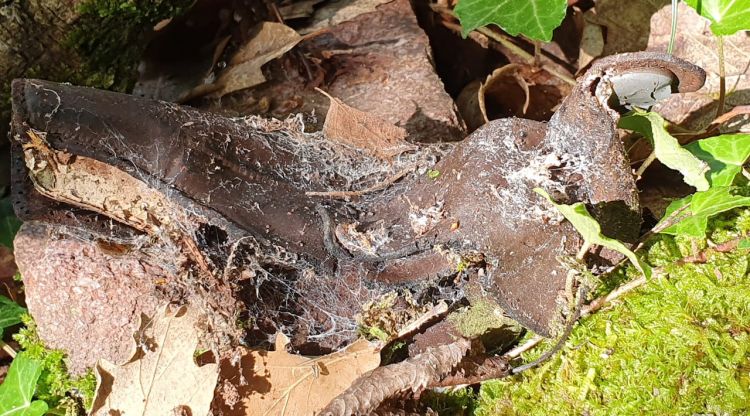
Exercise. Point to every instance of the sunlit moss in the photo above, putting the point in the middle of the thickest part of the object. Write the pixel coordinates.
(481, 317)
(450, 402)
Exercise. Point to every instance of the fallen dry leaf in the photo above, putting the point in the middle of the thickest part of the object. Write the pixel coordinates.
(183, 52)
(364, 131)
(340, 11)
(162, 378)
(625, 23)
(279, 383)
(244, 70)
(697, 44)
(592, 43)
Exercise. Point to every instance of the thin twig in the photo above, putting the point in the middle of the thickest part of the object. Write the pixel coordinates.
(8, 349)
(523, 54)
(598, 303)
(505, 41)
(667, 222)
(582, 290)
(515, 352)
(673, 32)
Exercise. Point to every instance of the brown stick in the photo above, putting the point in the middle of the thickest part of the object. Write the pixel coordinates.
(702, 256)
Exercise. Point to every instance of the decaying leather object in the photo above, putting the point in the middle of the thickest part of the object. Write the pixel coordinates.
(230, 196)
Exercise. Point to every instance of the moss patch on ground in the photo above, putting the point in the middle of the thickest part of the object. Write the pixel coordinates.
(63, 393)
(110, 36)
(678, 346)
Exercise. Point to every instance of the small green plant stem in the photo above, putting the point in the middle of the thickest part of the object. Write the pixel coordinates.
(537, 53)
(621, 290)
(648, 161)
(503, 40)
(515, 49)
(722, 77)
(8, 349)
(673, 34)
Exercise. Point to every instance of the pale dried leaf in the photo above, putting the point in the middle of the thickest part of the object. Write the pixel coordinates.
(162, 378)
(244, 70)
(592, 43)
(364, 131)
(336, 12)
(625, 23)
(499, 82)
(279, 383)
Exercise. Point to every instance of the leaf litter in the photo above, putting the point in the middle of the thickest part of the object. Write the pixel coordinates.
(364, 131)
(279, 383)
(244, 70)
(299, 385)
(162, 377)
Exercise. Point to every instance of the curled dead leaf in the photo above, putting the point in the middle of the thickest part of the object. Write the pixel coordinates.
(364, 131)
(270, 41)
(513, 90)
(162, 378)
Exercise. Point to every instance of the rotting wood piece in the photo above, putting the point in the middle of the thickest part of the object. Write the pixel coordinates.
(307, 264)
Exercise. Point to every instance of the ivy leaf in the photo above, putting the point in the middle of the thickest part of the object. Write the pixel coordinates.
(724, 154)
(666, 148)
(18, 388)
(535, 19)
(697, 208)
(10, 314)
(727, 16)
(591, 231)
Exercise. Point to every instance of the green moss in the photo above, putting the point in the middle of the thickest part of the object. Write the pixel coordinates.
(382, 318)
(56, 386)
(110, 36)
(450, 402)
(481, 317)
(679, 345)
